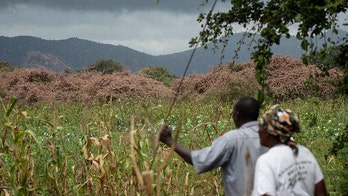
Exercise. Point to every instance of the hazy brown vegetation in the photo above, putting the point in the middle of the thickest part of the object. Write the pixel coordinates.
(288, 78)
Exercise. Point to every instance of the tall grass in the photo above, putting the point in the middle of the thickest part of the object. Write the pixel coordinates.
(110, 149)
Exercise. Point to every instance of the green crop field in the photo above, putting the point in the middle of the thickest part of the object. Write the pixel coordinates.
(111, 149)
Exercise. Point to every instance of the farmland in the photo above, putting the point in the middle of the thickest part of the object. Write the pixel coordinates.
(71, 134)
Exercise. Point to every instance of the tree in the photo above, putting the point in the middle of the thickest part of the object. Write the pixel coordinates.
(272, 20)
(336, 56)
(158, 73)
(105, 66)
(6, 67)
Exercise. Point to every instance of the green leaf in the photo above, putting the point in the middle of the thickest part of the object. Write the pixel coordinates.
(18, 136)
(260, 59)
(298, 35)
(298, 18)
(13, 102)
(304, 45)
(305, 60)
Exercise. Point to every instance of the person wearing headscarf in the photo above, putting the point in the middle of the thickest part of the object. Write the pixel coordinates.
(287, 168)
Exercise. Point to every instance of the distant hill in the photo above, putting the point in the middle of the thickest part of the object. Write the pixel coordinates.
(75, 54)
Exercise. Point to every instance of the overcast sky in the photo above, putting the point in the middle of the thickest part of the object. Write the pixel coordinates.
(142, 25)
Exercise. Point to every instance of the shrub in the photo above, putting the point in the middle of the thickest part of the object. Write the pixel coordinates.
(40, 76)
(105, 66)
(6, 67)
(333, 57)
(158, 73)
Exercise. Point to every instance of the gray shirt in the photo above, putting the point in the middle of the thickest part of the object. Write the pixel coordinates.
(236, 153)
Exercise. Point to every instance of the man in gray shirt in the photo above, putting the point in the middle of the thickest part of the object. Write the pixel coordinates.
(235, 152)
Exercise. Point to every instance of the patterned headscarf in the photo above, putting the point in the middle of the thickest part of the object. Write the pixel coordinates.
(283, 123)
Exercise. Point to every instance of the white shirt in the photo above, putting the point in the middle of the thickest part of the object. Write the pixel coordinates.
(280, 172)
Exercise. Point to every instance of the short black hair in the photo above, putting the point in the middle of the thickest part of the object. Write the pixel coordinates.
(248, 108)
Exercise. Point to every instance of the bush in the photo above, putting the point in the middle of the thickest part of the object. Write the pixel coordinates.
(158, 73)
(325, 59)
(333, 57)
(105, 66)
(40, 76)
(6, 67)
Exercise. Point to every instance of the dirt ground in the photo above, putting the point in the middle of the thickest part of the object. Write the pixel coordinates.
(287, 78)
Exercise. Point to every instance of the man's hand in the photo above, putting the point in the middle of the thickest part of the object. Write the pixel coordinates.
(166, 135)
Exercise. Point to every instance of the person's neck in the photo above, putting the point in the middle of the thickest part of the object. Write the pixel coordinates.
(242, 122)
(273, 142)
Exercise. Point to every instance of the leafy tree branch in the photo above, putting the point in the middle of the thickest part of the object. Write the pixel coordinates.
(272, 20)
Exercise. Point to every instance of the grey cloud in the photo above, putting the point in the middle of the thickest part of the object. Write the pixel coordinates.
(169, 5)
(151, 31)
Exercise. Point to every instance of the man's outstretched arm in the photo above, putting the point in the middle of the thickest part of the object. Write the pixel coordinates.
(166, 137)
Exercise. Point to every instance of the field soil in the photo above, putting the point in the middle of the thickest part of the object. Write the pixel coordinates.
(288, 78)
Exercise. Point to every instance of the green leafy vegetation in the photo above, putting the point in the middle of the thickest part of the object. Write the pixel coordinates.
(271, 19)
(6, 67)
(105, 67)
(97, 149)
(159, 73)
(333, 57)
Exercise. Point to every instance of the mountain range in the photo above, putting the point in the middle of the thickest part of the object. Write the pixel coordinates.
(74, 54)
